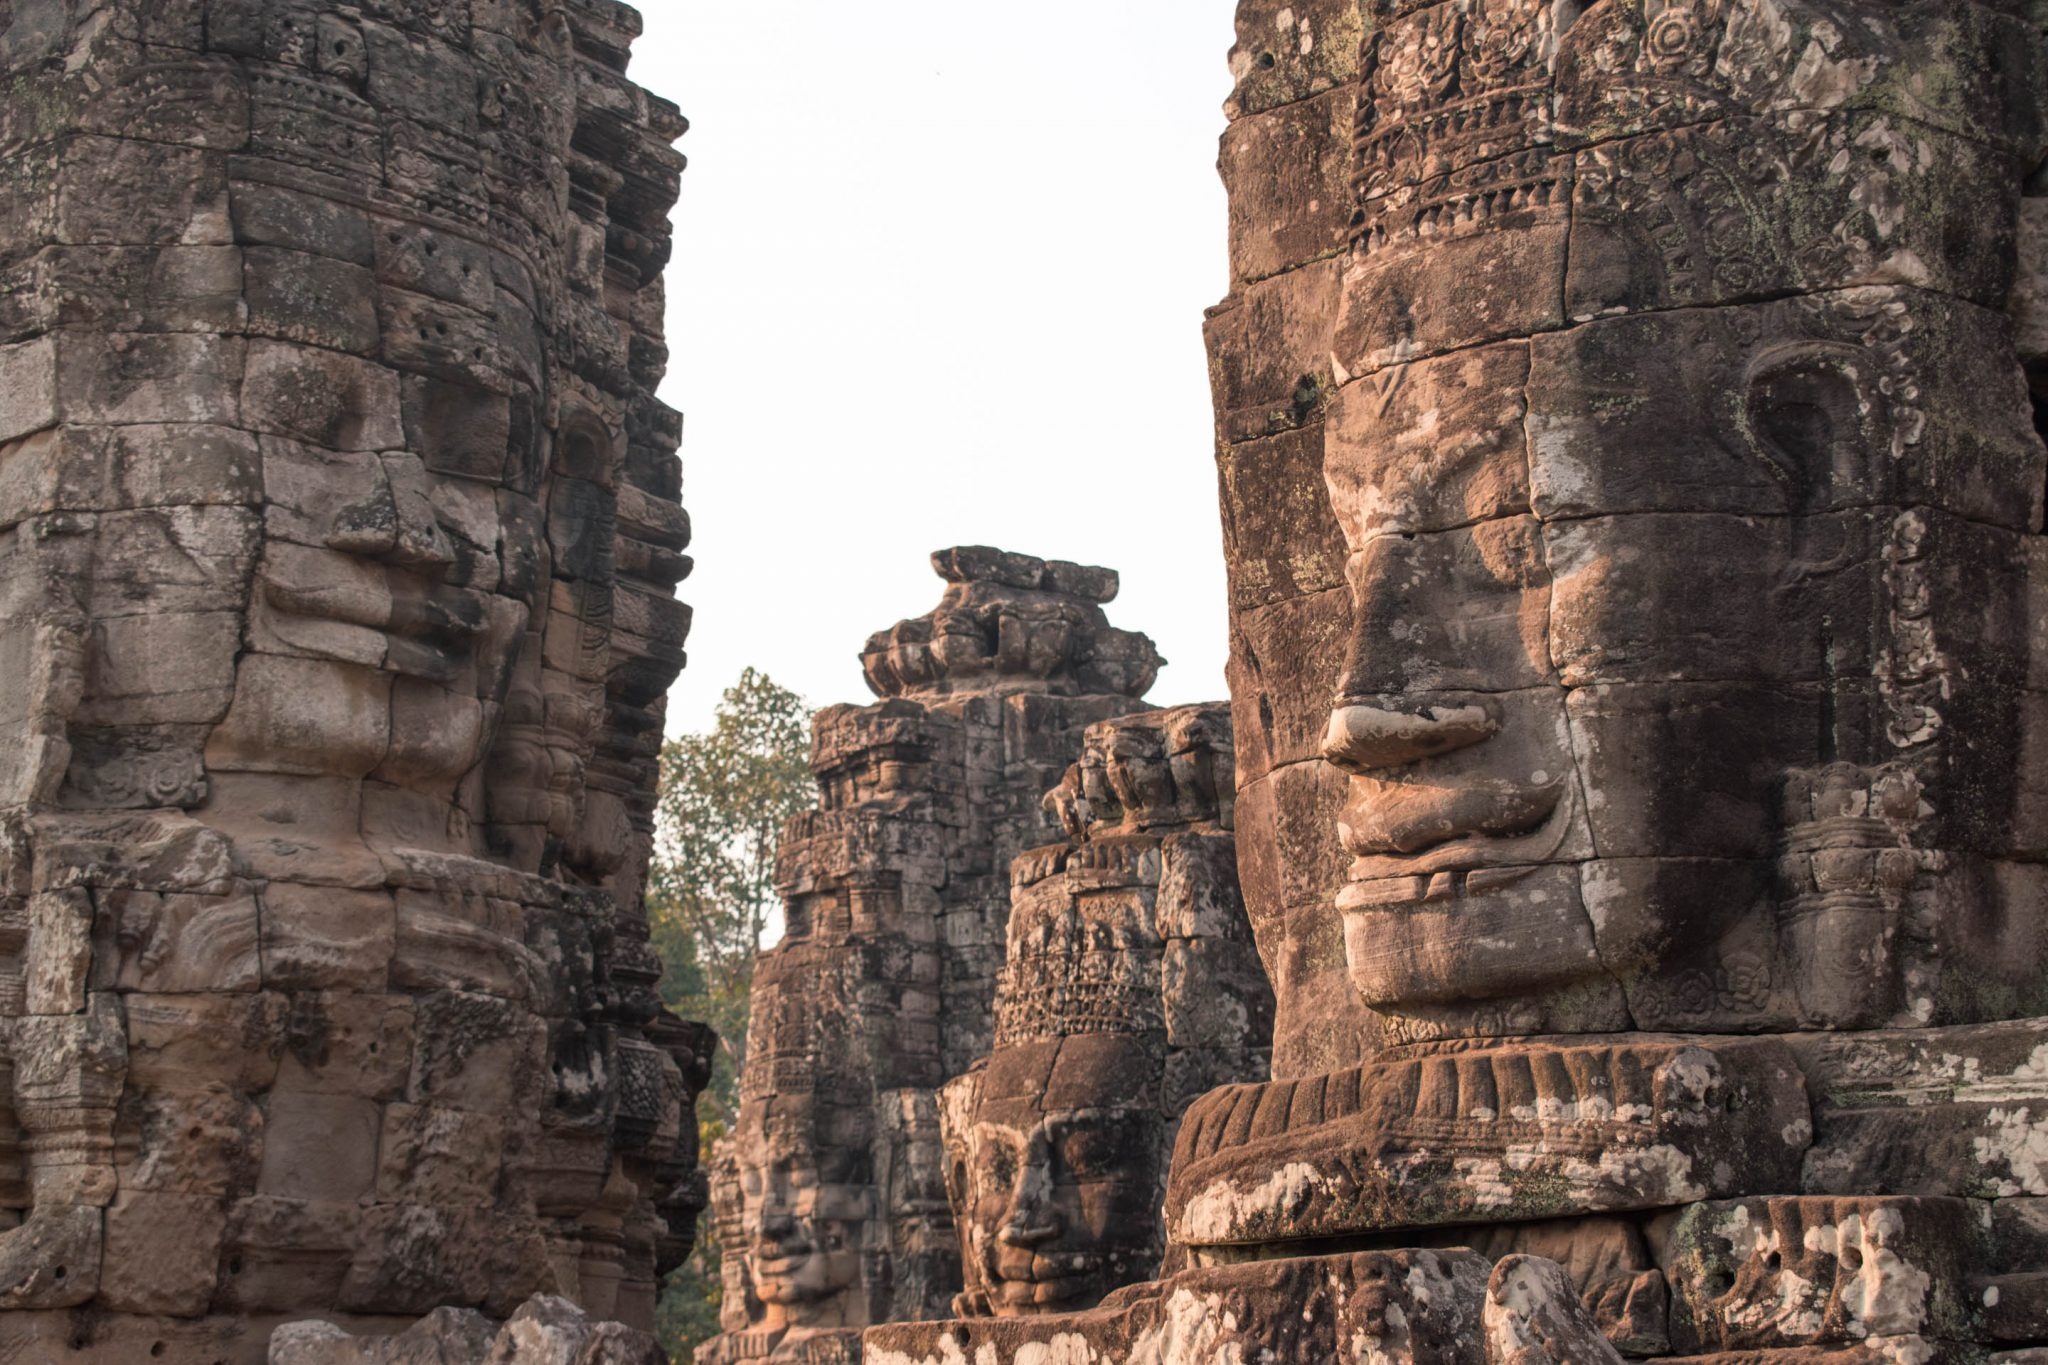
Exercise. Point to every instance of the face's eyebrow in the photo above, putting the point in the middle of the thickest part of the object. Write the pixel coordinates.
(1060, 1124)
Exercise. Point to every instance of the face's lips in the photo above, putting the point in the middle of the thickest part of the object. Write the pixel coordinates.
(1409, 818)
(1042, 1287)
(1044, 1265)
(773, 1256)
(449, 615)
(440, 614)
(1472, 846)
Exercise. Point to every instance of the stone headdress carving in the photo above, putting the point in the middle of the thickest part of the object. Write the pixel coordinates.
(1131, 986)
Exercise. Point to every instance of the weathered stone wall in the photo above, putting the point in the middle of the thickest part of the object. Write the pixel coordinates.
(339, 531)
(831, 1198)
(1130, 989)
(1286, 163)
(1647, 846)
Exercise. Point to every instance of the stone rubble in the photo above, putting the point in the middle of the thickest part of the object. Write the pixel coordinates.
(544, 1331)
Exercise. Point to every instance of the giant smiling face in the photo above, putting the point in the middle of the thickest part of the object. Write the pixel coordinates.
(1643, 638)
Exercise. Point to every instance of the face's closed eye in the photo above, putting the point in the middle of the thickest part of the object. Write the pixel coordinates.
(1103, 1148)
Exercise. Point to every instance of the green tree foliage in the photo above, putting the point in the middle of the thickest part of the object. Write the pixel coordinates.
(711, 898)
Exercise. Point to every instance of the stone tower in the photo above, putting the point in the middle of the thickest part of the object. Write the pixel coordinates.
(832, 1197)
(1633, 487)
(339, 531)
(1130, 988)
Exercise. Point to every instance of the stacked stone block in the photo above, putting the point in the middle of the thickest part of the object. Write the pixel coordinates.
(339, 532)
(833, 1204)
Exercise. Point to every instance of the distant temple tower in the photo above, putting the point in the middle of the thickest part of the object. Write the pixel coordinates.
(1131, 989)
(831, 1195)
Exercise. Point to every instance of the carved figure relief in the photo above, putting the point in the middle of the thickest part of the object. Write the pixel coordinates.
(339, 537)
(1633, 496)
(1130, 988)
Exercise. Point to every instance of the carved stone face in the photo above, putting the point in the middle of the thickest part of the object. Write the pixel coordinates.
(1061, 1204)
(425, 590)
(1635, 556)
(354, 465)
(1618, 590)
(438, 495)
(398, 583)
(802, 1217)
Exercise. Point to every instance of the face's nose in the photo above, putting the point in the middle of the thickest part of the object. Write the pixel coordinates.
(1032, 1220)
(1363, 737)
(395, 522)
(1437, 618)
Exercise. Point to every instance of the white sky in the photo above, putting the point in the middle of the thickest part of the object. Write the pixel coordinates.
(939, 279)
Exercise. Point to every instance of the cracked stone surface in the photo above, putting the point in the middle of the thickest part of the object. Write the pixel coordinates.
(339, 538)
(1629, 433)
(1130, 988)
(832, 1193)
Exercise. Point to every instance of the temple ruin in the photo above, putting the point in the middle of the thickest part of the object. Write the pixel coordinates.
(1634, 506)
(831, 1198)
(1130, 989)
(1609, 926)
(339, 533)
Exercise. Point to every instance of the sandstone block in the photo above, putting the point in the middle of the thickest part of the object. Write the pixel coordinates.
(140, 289)
(302, 1158)
(174, 669)
(128, 378)
(162, 1253)
(53, 1259)
(321, 398)
(450, 1156)
(271, 215)
(1289, 52)
(28, 378)
(125, 191)
(1275, 349)
(304, 716)
(176, 944)
(316, 299)
(1298, 151)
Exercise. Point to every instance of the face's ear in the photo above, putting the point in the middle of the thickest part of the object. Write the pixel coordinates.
(1816, 416)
